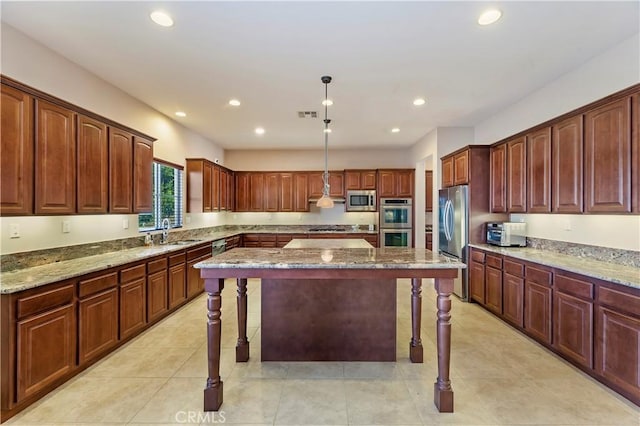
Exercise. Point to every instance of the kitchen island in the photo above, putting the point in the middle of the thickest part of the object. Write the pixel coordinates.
(327, 264)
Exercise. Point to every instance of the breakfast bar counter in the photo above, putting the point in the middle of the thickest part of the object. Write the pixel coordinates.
(356, 265)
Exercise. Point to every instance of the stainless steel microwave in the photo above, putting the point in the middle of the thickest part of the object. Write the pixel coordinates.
(507, 234)
(361, 201)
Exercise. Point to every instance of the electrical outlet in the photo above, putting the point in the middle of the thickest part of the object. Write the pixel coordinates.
(567, 224)
(14, 230)
(188, 219)
(125, 223)
(66, 226)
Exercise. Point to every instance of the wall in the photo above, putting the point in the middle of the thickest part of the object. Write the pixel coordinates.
(31, 63)
(603, 75)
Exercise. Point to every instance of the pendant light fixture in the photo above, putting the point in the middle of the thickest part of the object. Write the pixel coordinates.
(325, 201)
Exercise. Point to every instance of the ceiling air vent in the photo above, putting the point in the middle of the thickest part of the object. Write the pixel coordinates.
(307, 114)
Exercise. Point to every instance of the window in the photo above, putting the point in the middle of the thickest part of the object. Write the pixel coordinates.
(167, 198)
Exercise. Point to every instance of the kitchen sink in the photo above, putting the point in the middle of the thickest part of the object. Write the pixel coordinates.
(327, 229)
(185, 242)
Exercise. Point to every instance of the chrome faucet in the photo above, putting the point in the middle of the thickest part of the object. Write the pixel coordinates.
(166, 224)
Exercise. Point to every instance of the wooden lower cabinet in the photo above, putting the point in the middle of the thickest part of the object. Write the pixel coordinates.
(177, 280)
(133, 303)
(573, 327)
(493, 290)
(513, 299)
(157, 299)
(537, 311)
(46, 349)
(97, 324)
(476, 282)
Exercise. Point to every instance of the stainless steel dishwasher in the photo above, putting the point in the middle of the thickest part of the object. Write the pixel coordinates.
(218, 246)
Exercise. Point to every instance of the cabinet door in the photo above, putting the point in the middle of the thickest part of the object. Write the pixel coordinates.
(242, 192)
(46, 349)
(215, 188)
(537, 313)
(618, 353)
(230, 190)
(336, 184)
(285, 196)
(517, 176)
(207, 187)
(157, 295)
(133, 303)
(404, 182)
(476, 282)
(97, 324)
(195, 284)
(352, 180)
(120, 171)
(429, 240)
(177, 285)
(447, 172)
(498, 184)
(386, 183)
(224, 187)
(316, 185)
(461, 168)
(572, 327)
(539, 171)
(368, 179)
(567, 143)
(271, 191)
(16, 152)
(93, 166)
(55, 186)
(256, 188)
(608, 158)
(635, 153)
(428, 191)
(493, 290)
(301, 192)
(513, 299)
(142, 175)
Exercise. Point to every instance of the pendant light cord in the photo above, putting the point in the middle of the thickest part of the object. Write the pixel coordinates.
(325, 177)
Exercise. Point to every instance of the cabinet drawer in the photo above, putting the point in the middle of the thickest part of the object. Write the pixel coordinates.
(45, 300)
(130, 274)
(477, 256)
(619, 301)
(157, 265)
(176, 259)
(251, 238)
(574, 286)
(97, 284)
(513, 268)
(538, 276)
(271, 238)
(199, 252)
(494, 261)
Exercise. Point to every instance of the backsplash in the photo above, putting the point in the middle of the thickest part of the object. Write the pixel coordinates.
(603, 254)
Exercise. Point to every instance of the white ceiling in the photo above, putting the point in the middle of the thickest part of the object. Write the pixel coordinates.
(271, 56)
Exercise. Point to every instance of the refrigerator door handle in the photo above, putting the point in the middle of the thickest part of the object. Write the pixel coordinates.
(447, 222)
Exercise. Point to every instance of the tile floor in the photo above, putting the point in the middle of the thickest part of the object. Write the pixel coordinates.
(499, 377)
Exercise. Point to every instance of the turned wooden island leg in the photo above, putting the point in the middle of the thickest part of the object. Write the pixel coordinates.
(242, 346)
(442, 391)
(213, 391)
(415, 346)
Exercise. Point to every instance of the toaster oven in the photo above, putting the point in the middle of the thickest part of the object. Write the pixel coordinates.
(507, 234)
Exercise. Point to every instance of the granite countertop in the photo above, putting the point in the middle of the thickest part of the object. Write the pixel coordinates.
(323, 243)
(341, 258)
(619, 274)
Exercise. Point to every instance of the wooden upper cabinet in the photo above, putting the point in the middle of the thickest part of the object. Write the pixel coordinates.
(539, 171)
(120, 170)
(286, 193)
(301, 192)
(517, 175)
(395, 183)
(256, 194)
(207, 186)
(461, 168)
(360, 179)
(386, 183)
(224, 188)
(635, 153)
(215, 188)
(498, 189)
(93, 166)
(447, 172)
(316, 184)
(404, 183)
(55, 177)
(271, 192)
(336, 184)
(242, 192)
(567, 176)
(142, 175)
(608, 158)
(16, 152)
(428, 190)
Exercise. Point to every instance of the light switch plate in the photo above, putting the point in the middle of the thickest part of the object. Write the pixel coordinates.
(125, 223)
(14, 230)
(66, 227)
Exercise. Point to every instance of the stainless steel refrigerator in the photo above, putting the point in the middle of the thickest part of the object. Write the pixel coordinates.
(453, 231)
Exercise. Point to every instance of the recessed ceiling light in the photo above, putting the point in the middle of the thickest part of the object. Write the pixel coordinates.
(181, 114)
(327, 102)
(161, 18)
(395, 130)
(419, 101)
(259, 131)
(234, 102)
(489, 17)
